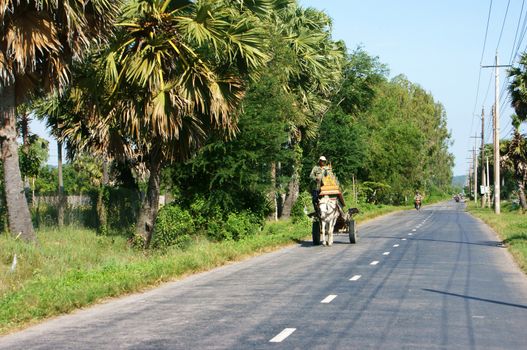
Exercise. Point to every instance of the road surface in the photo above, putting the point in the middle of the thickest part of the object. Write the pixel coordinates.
(434, 279)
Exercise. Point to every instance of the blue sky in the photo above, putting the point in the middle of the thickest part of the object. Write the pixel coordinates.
(437, 44)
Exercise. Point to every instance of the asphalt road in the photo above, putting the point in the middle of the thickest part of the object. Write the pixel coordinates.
(434, 279)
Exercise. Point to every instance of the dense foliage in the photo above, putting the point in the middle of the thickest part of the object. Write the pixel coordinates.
(227, 114)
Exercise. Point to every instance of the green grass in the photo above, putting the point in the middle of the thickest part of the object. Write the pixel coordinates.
(511, 226)
(73, 267)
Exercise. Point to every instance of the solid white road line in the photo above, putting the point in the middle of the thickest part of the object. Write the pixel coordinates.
(374, 262)
(386, 253)
(395, 245)
(355, 278)
(328, 299)
(282, 335)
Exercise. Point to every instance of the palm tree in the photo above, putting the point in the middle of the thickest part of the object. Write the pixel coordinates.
(518, 88)
(315, 72)
(516, 159)
(39, 40)
(177, 71)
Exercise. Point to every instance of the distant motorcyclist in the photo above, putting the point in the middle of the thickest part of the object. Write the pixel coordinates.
(418, 199)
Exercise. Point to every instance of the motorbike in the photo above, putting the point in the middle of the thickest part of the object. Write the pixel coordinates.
(417, 204)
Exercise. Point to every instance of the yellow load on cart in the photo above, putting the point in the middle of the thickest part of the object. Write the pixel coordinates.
(330, 185)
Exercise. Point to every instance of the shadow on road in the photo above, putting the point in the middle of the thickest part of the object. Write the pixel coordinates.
(497, 244)
(309, 244)
(475, 298)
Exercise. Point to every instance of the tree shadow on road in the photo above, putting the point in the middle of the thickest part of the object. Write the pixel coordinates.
(498, 244)
(475, 298)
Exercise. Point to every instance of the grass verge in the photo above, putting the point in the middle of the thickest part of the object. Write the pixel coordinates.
(73, 268)
(511, 226)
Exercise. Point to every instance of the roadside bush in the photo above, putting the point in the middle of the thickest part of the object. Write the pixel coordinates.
(236, 227)
(303, 202)
(174, 227)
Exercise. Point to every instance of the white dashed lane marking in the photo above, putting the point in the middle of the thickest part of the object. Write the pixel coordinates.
(328, 299)
(414, 230)
(282, 335)
(404, 239)
(355, 278)
(410, 234)
(395, 245)
(374, 262)
(386, 253)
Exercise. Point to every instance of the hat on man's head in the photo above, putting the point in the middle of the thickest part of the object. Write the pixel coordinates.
(322, 158)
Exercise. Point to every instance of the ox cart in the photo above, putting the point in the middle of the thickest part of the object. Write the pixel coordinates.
(344, 224)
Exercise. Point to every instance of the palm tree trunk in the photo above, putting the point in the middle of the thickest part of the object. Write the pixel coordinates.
(60, 215)
(521, 191)
(24, 129)
(102, 215)
(17, 208)
(272, 194)
(150, 203)
(292, 196)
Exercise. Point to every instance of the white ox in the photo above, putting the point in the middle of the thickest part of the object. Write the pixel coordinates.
(329, 212)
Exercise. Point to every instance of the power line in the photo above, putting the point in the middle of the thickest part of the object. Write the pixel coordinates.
(480, 68)
(522, 36)
(486, 33)
(516, 34)
(503, 24)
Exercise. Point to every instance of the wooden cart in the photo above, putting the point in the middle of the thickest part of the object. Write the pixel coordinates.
(345, 223)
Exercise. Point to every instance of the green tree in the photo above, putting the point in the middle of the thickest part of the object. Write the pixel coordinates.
(314, 72)
(515, 160)
(177, 71)
(408, 140)
(518, 88)
(33, 157)
(235, 175)
(40, 39)
(343, 141)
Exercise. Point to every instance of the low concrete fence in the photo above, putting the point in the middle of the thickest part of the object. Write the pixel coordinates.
(77, 201)
(72, 201)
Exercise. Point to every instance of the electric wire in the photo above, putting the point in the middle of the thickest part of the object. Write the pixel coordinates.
(480, 68)
(516, 33)
(503, 24)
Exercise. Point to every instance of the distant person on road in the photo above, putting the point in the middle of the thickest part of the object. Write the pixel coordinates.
(418, 199)
(317, 173)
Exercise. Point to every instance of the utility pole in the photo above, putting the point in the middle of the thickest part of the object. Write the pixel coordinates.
(497, 175)
(475, 164)
(483, 179)
(488, 182)
(475, 171)
(470, 174)
(496, 119)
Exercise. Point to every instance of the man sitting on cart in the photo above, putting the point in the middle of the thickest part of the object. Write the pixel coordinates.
(317, 175)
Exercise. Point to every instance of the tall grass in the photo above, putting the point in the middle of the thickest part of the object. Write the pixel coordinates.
(511, 226)
(73, 267)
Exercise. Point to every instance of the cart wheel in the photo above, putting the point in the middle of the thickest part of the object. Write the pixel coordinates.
(315, 232)
(352, 231)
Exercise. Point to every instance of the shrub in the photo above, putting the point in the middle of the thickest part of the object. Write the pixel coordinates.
(303, 202)
(174, 227)
(235, 227)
